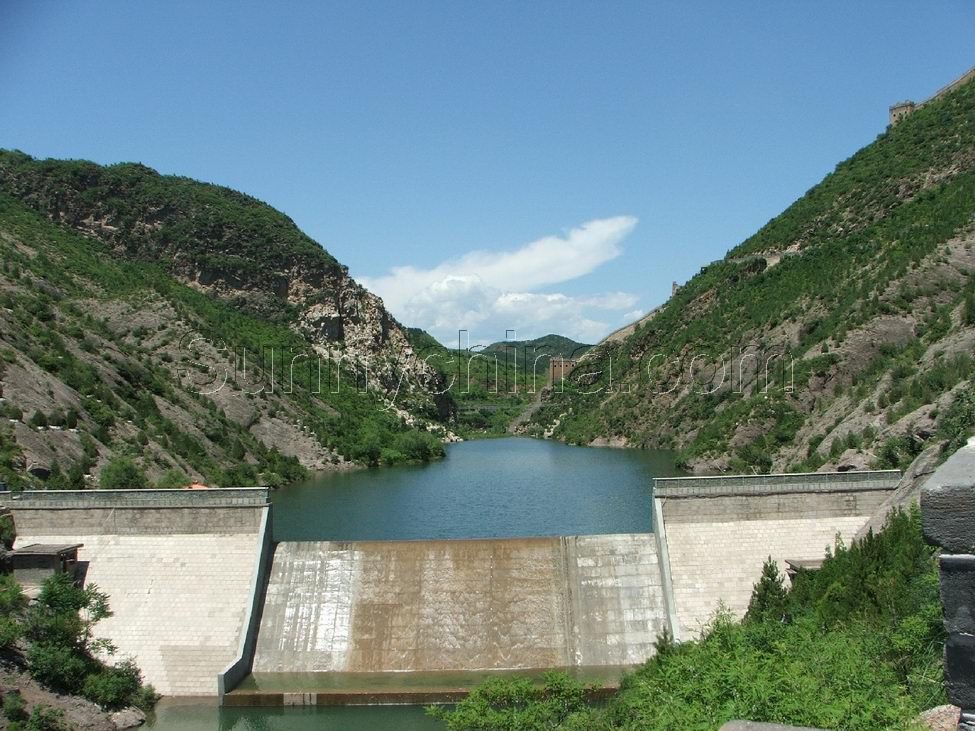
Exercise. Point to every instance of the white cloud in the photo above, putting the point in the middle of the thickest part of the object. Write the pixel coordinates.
(488, 292)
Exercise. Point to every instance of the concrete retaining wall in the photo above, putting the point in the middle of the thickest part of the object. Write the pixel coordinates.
(718, 540)
(179, 569)
(240, 666)
(461, 605)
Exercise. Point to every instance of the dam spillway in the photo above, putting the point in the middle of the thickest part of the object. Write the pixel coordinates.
(396, 606)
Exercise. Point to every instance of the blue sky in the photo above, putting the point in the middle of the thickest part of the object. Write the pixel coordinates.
(537, 167)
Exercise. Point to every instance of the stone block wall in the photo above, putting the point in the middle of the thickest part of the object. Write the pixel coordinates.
(948, 520)
(720, 531)
(179, 573)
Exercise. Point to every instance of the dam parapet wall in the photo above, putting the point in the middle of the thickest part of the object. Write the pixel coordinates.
(137, 512)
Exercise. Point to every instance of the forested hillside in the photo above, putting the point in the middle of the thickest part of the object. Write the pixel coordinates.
(840, 334)
(493, 385)
(156, 330)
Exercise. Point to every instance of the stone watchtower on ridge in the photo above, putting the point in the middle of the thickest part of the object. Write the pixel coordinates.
(559, 367)
(905, 108)
(900, 110)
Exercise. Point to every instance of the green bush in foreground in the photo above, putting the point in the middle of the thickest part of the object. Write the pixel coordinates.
(520, 703)
(62, 651)
(855, 646)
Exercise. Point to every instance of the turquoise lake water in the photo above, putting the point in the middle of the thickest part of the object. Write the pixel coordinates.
(490, 488)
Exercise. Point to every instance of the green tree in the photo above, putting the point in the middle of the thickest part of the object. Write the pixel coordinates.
(173, 479)
(121, 473)
(769, 597)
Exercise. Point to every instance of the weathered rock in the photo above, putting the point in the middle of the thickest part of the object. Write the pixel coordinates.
(948, 515)
(958, 592)
(908, 489)
(128, 718)
(960, 669)
(940, 718)
(853, 459)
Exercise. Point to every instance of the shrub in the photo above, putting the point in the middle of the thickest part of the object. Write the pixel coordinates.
(12, 603)
(45, 718)
(144, 698)
(58, 666)
(519, 703)
(173, 479)
(113, 686)
(13, 706)
(122, 473)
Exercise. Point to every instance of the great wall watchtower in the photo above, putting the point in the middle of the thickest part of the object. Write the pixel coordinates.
(559, 368)
(905, 108)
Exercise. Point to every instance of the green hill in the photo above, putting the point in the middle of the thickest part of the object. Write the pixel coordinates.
(539, 350)
(858, 301)
(492, 386)
(156, 330)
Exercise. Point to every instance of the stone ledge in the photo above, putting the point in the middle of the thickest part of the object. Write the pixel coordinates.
(228, 497)
(947, 516)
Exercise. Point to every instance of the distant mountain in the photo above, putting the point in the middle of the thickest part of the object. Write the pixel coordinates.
(122, 290)
(493, 386)
(840, 335)
(542, 349)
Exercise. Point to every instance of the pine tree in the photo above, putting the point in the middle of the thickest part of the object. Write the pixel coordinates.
(769, 597)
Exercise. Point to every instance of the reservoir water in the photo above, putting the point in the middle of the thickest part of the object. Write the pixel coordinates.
(493, 488)
(490, 488)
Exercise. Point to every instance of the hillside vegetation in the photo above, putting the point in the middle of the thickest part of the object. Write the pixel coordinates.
(155, 330)
(855, 646)
(840, 334)
(494, 384)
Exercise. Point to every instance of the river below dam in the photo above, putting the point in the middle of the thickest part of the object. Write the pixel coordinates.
(491, 488)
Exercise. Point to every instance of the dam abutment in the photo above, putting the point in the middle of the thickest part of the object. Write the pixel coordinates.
(179, 567)
(721, 530)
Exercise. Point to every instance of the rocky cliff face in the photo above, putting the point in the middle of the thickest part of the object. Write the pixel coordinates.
(138, 314)
(232, 247)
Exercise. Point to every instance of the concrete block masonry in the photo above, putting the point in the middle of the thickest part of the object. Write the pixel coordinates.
(721, 530)
(179, 571)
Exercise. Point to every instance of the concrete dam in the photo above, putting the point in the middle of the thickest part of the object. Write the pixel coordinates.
(396, 606)
(202, 597)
